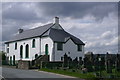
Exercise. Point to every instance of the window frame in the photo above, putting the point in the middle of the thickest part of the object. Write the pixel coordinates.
(59, 46)
(27, 53)
(79, 47)
(16, 46)
(46, 49)
(33, 43)
(21, 51)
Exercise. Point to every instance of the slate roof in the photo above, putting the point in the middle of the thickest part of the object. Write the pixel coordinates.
(63, 36)
(46, 30)
(31, 33)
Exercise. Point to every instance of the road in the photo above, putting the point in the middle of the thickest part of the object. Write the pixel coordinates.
(24, 74)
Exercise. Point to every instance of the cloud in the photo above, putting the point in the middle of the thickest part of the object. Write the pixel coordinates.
(107, 35)
(19, 11)
(77, 10)
(98, 34)
(113, 42)
(92, 22)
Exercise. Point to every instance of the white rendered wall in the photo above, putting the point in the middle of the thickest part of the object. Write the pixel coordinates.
(32, 51)
(71, 47)
(44, 41)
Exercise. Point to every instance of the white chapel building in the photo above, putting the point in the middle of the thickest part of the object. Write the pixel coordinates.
(50, 39)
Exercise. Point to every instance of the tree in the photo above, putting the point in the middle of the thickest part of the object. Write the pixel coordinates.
(118, 62)
(108, 63)
(2, 55)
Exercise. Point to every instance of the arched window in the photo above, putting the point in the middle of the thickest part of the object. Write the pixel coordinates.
(27, 51)
(13, 59)
(10, 60)
(46, 49)
(15, 45)
(33, 43)
(21, 51)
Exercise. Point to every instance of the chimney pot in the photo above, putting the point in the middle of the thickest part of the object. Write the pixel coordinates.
(20, 30)
(57, 20)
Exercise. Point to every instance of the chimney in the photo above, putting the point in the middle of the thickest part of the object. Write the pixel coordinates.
(20, 31)
(56, 20)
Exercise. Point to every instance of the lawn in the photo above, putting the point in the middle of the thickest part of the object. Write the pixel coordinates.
(87, 76)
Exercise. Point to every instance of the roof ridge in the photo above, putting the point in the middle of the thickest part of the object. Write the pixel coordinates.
(38, 27)
(38, 31)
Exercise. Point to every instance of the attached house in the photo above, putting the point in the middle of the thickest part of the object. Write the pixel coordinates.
(50, 39)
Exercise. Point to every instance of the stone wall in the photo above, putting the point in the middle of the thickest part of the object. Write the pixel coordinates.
(43, 58)
(23, 64)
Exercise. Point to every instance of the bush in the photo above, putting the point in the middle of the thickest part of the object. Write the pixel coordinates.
(2, 54)
(52, 65)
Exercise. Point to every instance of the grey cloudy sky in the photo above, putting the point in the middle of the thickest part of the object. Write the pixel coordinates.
(95, 23)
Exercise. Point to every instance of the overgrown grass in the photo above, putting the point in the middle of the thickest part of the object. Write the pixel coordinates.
(114, 72)
(87, 76)
(90, 76)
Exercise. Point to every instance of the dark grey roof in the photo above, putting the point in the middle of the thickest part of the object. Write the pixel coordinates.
(47, 30)
(63, 36)
(31, 33)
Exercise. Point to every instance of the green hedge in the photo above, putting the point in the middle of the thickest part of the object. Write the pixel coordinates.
(4, 62)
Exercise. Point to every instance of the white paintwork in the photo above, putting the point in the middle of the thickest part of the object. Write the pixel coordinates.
(39, 49)
(32, 51)
(57, 26)
(71, 47)
(56, 20)
(44, 41)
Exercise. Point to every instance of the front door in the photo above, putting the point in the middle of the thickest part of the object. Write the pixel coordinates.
(46, 49)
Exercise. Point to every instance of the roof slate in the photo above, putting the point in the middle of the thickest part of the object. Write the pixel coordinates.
(47, 30)
(31, 33)
(63, 36)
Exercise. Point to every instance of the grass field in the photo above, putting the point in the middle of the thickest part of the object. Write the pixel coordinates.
(87, 76)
